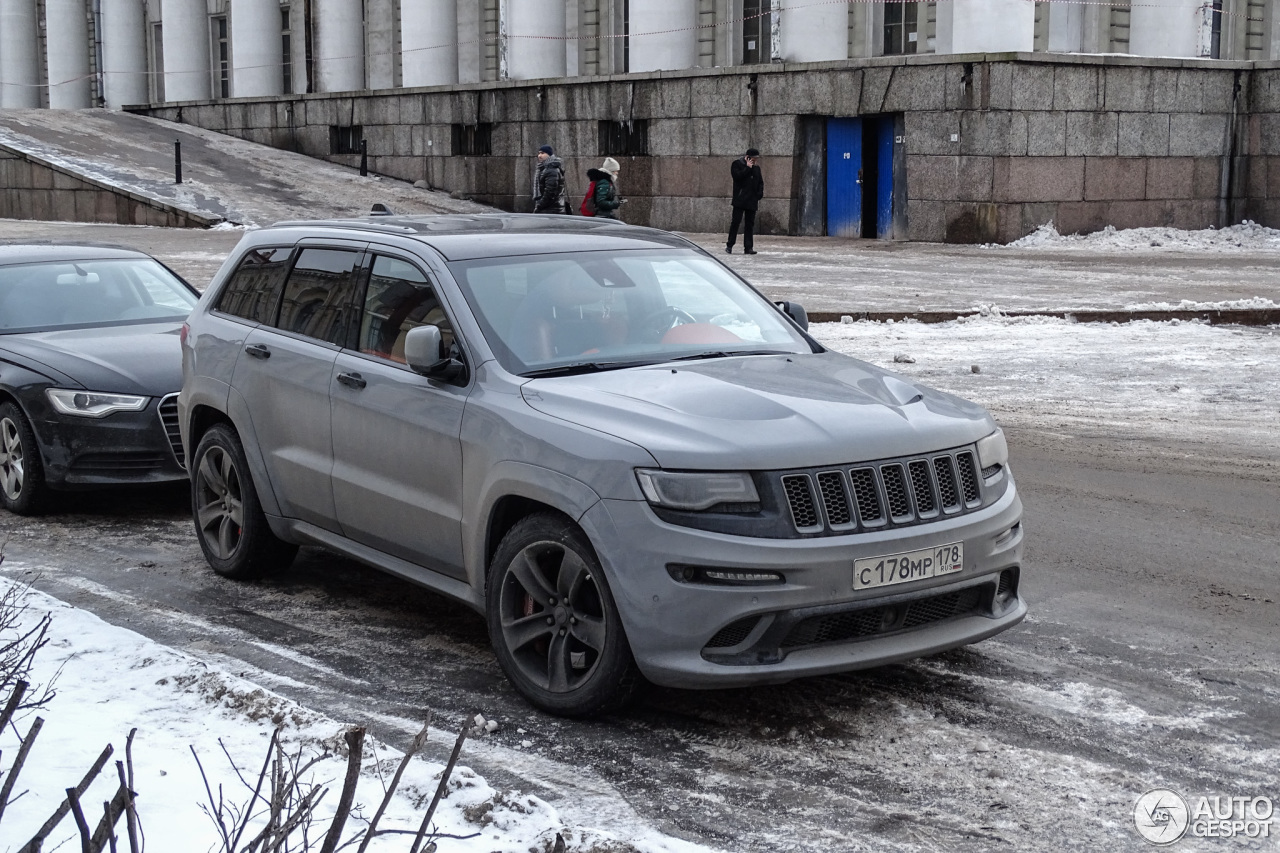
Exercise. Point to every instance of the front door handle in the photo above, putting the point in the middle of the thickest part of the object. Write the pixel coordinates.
(353, 381)
(258, 351)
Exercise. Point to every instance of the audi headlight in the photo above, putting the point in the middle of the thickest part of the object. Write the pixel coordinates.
(92, 404)
(993, 451)
(696, 490)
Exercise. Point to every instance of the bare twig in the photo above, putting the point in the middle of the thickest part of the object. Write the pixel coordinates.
(414, 748)
(12, 777)
(73, 798)
(215, 805)
(37, 840)
(131, 816)
(111, 836)
(257, 788)
(355, 755)
(10, 707)
(107, 826)
(444, 780)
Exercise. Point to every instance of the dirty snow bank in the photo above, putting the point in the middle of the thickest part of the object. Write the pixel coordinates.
(110, 679)
(1247, 236)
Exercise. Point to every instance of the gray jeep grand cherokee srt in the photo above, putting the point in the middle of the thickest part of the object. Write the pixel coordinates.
(632, 463)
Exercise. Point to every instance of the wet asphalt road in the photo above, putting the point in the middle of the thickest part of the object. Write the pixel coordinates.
(1151, 658)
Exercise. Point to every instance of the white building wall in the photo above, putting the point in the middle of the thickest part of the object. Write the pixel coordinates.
(1170, 29)
(986, 26)
(124, 53)
(428, 39)
(257, 52)
(339, 52)
(815, 33)
(535, 38)
(663, 35)
(185, 30)
(67, 34)
(19, 60)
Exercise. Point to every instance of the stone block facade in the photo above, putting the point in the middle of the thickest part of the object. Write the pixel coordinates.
(991, 146)
(31, 189)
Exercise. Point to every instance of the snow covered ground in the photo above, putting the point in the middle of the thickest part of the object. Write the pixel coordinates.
(110, 680)
(1248, 236)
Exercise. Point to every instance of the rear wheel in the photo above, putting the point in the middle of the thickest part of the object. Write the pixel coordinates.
(22, 486)
(230, 524)
(553, 622)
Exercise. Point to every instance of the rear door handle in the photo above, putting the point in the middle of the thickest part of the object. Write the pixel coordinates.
(352, 380)
(258, 351)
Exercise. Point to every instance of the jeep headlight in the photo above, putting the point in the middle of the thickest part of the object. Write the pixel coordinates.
(92, 404)
(993, 452)
(696, 490)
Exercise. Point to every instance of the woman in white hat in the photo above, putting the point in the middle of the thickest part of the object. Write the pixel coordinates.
(605, 181)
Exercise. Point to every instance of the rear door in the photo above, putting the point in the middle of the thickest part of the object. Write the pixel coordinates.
(397, 472)
(283, 374)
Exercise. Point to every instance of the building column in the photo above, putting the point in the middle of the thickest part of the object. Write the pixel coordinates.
(339, 54)
(124, 53)
(815, 33)
(185, 32)
(67, 32)
(986, 26)
(429, 42)
(663, 35)
(1171, 29)
(19, 59)
(257, 51)
(535, 38)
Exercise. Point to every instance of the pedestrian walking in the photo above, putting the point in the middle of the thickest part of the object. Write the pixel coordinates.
(748, 189)
(602, 197)
(548, 183)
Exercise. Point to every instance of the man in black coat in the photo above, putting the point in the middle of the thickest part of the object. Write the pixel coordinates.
(548, 182)
(748, 189)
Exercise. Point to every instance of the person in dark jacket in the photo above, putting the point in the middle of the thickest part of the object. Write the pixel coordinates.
(748, 189)
(548, 183)
(606, 195)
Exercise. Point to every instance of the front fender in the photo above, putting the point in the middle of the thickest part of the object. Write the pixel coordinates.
(518, 479)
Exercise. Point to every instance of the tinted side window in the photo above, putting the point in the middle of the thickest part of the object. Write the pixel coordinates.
(319, 297)
(398, 299)
(254, 289)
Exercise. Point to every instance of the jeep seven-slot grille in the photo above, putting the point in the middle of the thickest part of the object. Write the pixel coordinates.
(169, 418)
(888, 493)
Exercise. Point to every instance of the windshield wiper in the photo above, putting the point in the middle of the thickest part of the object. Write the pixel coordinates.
(697, 356)
(579, 367)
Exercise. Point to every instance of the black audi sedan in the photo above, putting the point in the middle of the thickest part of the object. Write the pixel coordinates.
(90, 369)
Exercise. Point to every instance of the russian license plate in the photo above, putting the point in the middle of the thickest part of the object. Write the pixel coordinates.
(912, 566)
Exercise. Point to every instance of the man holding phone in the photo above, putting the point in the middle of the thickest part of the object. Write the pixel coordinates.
(748, 189)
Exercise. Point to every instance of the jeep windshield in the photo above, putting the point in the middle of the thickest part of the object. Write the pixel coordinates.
(552, 314)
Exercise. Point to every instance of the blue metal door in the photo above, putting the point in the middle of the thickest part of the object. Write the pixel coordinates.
(884, 178)
(844, 177)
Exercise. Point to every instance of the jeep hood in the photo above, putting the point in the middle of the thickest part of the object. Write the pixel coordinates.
(763, 412)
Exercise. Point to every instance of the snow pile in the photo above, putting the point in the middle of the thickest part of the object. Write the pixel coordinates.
(1247, 236)
(110, 680)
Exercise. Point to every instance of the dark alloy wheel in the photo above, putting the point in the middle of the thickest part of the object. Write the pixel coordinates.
(553, 622)
(22, 486)
(230, 525)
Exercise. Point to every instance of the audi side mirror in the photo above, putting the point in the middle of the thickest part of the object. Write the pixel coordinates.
(796, 312)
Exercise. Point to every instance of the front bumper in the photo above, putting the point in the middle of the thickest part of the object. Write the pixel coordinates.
(120, 449)
(702, 635)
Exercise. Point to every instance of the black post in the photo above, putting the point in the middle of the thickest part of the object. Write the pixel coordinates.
(177, 161)
(364, 158)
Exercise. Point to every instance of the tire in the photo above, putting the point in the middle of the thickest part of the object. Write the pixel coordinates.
(553, 622)
(23, 490)
(230, 525)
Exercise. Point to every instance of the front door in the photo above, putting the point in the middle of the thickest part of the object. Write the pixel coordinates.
(844, 177)
(397, 452)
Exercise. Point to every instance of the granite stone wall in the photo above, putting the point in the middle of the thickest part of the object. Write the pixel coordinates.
(30, 189)
(994, 145)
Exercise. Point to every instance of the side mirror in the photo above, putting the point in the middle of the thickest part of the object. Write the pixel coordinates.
(796, 312)
(423, 353)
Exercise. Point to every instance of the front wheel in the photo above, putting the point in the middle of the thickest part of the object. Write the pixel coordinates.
(553, 622)
(230, 524)
(22, 486)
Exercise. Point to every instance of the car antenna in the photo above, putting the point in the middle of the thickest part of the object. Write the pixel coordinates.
(380, 209)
